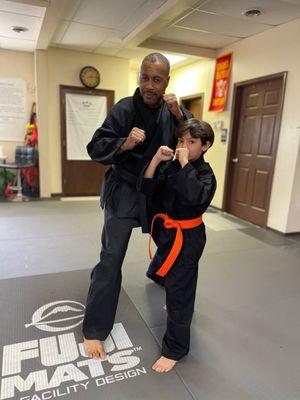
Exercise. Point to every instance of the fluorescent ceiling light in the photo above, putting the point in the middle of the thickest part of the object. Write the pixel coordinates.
(174, 58)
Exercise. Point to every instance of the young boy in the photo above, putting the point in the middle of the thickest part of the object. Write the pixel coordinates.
(182, 191)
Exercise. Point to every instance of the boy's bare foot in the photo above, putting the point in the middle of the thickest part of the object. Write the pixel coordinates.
(163, 364)
(94, 349)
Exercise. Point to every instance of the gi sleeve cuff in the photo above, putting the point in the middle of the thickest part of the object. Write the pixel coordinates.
(119, 158)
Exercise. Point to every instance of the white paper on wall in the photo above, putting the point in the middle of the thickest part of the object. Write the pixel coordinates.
(84, 114)
(13, 105)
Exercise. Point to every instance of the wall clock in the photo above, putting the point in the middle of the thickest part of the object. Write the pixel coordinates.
(89, 77)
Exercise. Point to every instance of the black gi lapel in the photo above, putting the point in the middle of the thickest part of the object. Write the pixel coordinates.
(163, 131)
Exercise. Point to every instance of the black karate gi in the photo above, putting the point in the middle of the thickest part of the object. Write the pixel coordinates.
(125, 208)
(182, 194)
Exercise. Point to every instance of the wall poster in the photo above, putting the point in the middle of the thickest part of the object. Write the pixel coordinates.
(13, 106)
(84, 114)
(221, 82)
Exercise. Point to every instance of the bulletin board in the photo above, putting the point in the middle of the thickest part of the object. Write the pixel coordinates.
(13, 106)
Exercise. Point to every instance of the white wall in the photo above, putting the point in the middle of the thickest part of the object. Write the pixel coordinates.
(42, 84)
(133, 79)
(61, 67)
(18, 64)
(294, 212)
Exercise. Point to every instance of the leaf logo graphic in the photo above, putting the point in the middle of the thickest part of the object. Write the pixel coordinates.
(46, 318)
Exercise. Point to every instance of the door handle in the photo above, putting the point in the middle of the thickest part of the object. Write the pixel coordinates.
(235, 160)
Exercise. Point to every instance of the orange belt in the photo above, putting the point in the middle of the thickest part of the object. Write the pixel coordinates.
(170, 223)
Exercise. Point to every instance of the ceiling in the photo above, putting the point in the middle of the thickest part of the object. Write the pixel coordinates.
(130, 28)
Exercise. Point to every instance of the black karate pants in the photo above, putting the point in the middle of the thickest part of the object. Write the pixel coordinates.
(106, 276)
(180, 284)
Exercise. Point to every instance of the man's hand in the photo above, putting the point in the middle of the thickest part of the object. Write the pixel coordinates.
(135, 137)
(171, 100)
(182, 155)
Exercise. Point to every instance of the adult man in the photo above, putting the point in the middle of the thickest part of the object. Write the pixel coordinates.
(129, 137)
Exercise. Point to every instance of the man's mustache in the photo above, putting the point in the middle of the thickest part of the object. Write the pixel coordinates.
(150, 92)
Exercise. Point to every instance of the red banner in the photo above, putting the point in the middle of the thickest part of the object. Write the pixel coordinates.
(221, 82)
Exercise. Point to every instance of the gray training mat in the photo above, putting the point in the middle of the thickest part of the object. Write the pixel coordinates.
(41, 346)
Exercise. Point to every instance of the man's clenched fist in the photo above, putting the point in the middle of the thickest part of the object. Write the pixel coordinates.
(135, 137)
(171, 100)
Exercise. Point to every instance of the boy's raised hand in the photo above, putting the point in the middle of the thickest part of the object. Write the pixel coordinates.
(164, 153)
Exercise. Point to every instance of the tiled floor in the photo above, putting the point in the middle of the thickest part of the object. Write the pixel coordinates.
(245, 333)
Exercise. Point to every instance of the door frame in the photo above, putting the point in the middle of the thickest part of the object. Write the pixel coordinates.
(234, 123)
(182, 99)
(63, 90)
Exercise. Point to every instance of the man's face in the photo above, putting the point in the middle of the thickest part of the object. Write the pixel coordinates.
(153, 82)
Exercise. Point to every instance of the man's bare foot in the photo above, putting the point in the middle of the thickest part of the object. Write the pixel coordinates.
(94, 349)
(163, 364)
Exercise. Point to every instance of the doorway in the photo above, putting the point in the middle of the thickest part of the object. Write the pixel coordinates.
(255, 125)
(80, 175)
(194, 104)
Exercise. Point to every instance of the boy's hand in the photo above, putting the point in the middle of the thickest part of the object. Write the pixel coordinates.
(164, 153)
(135, 137)
(171, 100)
(182, 155)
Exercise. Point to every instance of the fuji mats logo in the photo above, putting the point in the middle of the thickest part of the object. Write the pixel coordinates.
(64, 367)
(47, 318)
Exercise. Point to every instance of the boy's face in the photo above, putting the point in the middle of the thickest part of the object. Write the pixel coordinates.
(194, 145)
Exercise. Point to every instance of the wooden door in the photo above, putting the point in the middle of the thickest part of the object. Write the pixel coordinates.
(254, 147)
(194, 104)
(80, 177)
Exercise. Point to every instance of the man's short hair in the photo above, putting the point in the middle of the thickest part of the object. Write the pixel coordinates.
(197, 129)
(157, 58)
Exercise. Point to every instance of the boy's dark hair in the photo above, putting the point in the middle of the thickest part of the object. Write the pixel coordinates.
(197, 129)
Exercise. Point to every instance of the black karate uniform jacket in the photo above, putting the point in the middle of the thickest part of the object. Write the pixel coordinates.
(119, 187)
(182, 193)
